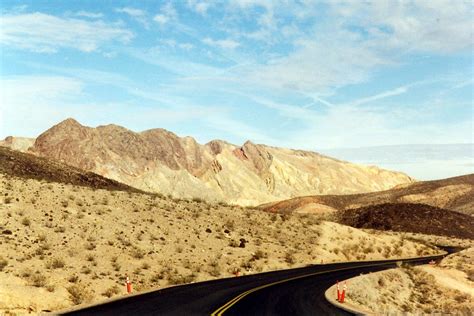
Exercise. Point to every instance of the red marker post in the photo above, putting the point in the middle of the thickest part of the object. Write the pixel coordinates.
(338, 292)
(129, 286)
(343, 295)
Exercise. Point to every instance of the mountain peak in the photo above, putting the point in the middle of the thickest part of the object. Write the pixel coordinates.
(69, 122)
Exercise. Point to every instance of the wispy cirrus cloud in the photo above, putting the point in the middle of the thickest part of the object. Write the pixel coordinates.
(200, 6)
(88, 14)
(39, 32)
(223, 43)
(166, 14)
(136, 14)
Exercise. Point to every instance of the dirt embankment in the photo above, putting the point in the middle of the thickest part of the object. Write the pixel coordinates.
(445, 289)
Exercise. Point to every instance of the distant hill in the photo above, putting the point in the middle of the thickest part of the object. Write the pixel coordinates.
(453, 193)
(23, 165)
(157, 160)
(17, 143)
(420, 161)
(409, 217)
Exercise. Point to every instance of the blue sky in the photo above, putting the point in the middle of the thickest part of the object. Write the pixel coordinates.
(301, 74)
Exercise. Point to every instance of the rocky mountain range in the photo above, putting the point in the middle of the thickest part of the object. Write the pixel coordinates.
(157, 160)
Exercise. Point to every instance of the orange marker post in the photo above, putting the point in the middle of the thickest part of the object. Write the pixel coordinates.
(129, 286)
(338, 292)
(343, 295)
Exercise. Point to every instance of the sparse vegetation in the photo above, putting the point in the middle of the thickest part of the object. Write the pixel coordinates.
(79, 294)
(97, 247)
(3, 263)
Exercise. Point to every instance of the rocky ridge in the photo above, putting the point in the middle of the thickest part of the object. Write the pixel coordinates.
(157, 160)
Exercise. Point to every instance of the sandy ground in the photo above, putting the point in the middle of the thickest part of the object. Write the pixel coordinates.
(62, 245)
(427, 289)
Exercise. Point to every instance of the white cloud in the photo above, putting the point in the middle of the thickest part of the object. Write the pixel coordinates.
(383, 95)
(199, 6)
(167, 14)
(131, 11)
(136, 14)
(91, 15)
(161, 19)
(321, 64)
(224, 44)
(439, 26)
(41, 32)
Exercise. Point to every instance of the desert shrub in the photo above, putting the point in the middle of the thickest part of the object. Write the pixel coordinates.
(3, 263)
(90, 257)
(38, 280)
(8, 200)
(73, 278)
(55, 263)
(198, 200)
(180, 279)
(79, 294)
(230, 224)
(116, 266)
(90, 246)
(111, 291)
(259, 254)
(86, 270)
(137, 253)
(233, 243)
(26, 221)
(60, 229)
(215, 269)
(470, 274)
(290, 258)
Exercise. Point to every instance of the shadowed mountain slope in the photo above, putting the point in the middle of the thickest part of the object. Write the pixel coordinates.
(23, 165)
(409, 217)
(453, 193)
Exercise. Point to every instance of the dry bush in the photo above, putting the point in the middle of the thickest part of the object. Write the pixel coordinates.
(137, 253)
(175, 279)
(26, 221)
(38, 280)
(78, 293)
(290, 258)
(55, 263)
(3, 263)
(111, 291)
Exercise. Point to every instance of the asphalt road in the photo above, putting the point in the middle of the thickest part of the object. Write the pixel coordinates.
(297, 291)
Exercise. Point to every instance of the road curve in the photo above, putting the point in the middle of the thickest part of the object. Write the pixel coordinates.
(297, 291)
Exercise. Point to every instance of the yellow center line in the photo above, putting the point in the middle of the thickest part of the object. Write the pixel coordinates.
(232, 302)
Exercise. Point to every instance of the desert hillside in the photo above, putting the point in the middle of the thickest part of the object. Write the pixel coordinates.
(159, 161)
(63, 244)
(455, 194)
(443, 289)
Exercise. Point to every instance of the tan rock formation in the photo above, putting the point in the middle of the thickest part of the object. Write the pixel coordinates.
(160, 161)
(17, 143)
